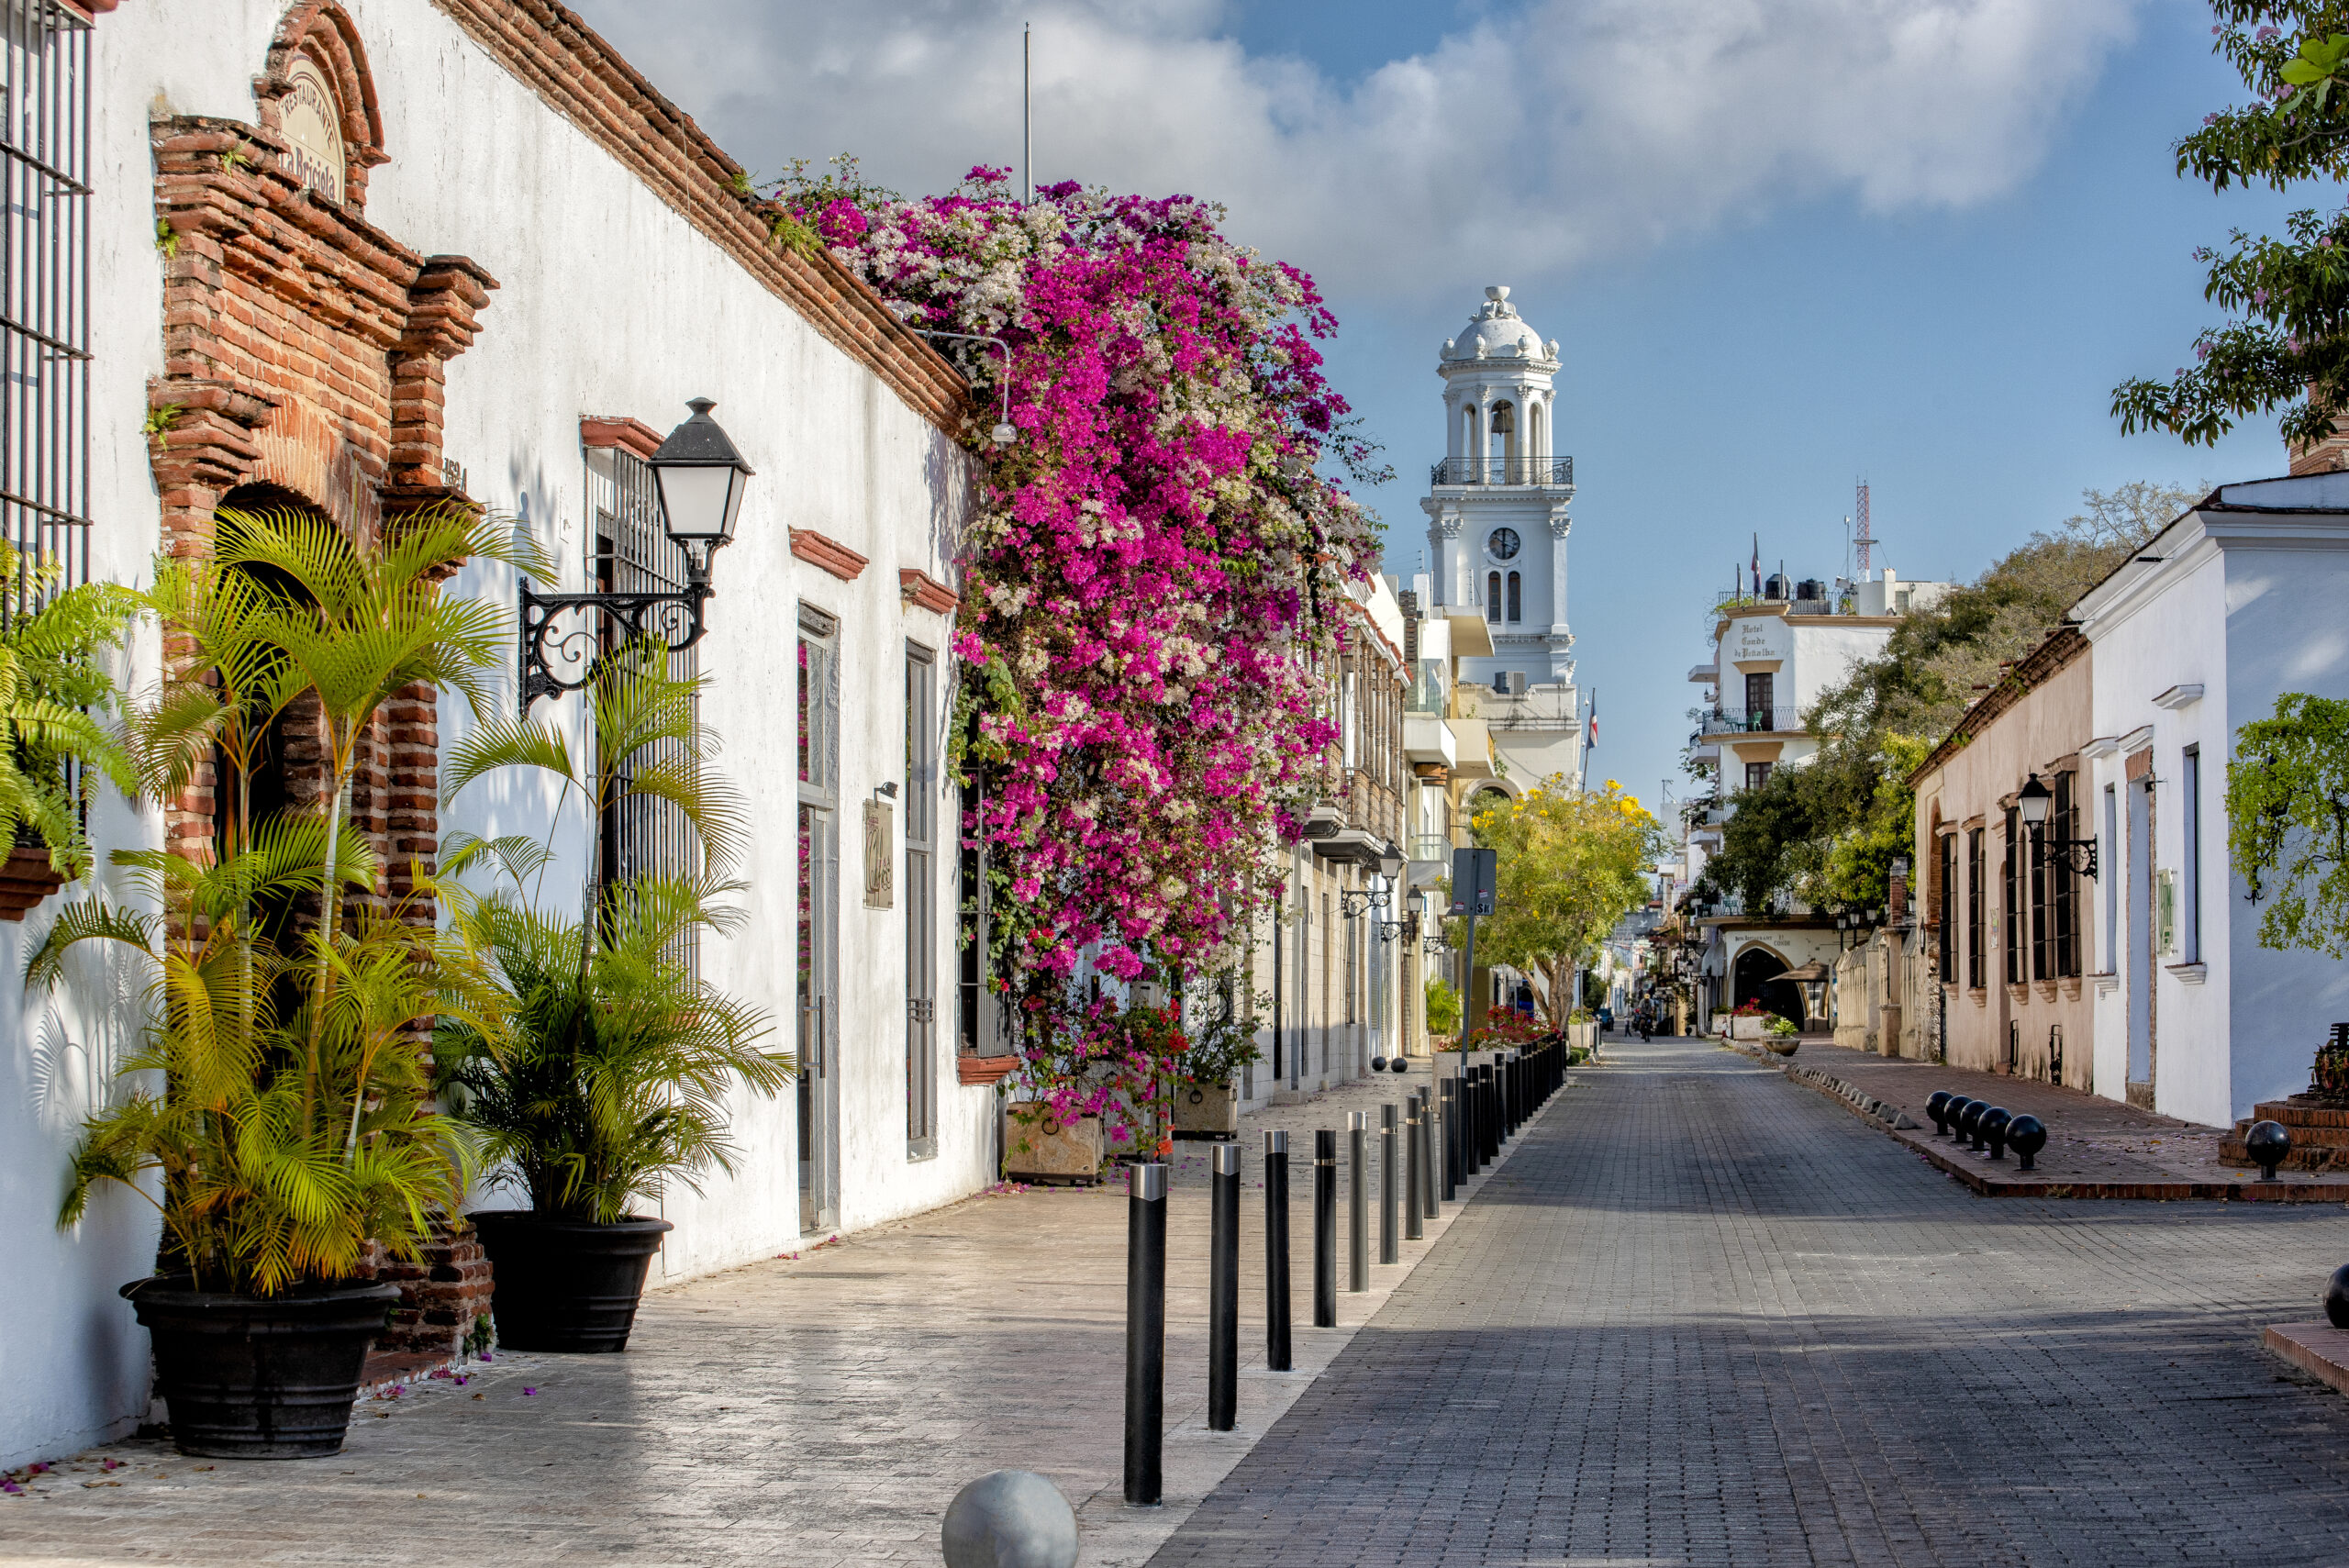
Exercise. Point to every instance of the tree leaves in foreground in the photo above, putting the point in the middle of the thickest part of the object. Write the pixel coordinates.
(2288, 344)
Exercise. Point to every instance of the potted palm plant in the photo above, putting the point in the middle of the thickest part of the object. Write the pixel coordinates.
(610, 1077)
(290, 1140)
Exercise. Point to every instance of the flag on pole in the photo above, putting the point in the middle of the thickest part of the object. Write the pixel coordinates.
(1757, 565)
(1593, 743)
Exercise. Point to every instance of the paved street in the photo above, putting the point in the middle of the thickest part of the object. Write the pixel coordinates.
(1700, 1316)
(1705, 1316)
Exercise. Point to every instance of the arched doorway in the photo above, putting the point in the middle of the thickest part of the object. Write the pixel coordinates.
(1756, 978)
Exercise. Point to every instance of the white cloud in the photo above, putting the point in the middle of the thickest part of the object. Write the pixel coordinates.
(1567, 130)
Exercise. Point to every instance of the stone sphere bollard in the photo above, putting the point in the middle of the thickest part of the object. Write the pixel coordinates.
(1993, 1126)
(1009, 1519)
(2336, 1298)
(1401, 1064)
(1969, 1117)
(1937, 1107)
(1378, 1064)
(2026, 1135)
(1953, 1114)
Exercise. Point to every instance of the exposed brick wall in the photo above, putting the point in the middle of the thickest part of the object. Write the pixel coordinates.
(440, 1294)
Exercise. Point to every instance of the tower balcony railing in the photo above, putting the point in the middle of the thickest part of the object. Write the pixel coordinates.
(1753, 721)
(1551, 471)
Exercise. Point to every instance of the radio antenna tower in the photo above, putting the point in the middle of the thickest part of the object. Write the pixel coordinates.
(1862, 539)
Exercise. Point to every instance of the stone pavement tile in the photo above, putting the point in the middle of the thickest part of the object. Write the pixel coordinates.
(1704, 1316)
(804, 1413)
(2096, 1147)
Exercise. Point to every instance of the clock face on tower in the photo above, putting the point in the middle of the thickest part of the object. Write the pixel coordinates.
(1503, 544)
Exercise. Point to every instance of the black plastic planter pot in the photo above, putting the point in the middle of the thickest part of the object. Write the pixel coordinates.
(564, 1285)
(260, 1377)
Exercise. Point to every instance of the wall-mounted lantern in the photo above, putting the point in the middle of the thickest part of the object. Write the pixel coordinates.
(699, 477)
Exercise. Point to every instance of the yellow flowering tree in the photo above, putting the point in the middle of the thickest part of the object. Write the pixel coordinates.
(1569, 865)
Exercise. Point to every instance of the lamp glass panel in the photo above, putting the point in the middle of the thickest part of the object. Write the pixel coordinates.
(699, 502)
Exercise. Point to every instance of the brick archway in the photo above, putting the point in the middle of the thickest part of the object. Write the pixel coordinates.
(304, 350)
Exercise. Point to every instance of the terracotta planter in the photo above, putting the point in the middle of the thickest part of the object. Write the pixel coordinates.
(27, 878)
(1205, 1110)
(1039, 1146)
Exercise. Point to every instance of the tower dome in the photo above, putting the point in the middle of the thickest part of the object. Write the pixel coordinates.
(1498, 331)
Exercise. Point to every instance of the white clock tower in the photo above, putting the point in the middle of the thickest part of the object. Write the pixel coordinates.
(1497, 535)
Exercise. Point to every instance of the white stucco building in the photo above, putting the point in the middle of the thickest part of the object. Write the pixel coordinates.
(1498, 522)
(421, 250)
(2234, 604)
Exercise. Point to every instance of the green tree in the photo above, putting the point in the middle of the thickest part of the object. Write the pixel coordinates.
(1568, 866)
(1826, 832)
(2288, 822)
(2287, 345)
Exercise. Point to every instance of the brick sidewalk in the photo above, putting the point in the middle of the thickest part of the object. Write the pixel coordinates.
(817, 1411)
(1703, 1318)
(2096, 1148)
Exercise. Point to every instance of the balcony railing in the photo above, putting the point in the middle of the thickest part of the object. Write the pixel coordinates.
(1752, 721)
(1503, 471)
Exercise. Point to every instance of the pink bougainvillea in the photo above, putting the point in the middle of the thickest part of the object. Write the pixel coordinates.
(1150, 587)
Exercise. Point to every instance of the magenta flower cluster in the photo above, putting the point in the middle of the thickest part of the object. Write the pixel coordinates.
(1150, 590)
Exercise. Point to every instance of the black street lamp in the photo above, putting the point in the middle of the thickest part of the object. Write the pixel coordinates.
(2034, 800)
(1414, 906)
(699, 477)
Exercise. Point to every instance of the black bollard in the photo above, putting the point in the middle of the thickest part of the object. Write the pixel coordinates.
(1953, 1110)
(2026, 1135)
(1223, 1293)
(1145, 1332)
(1487, 1123)
(1937, 1107)
(1994, 1130)
(1390, 1188)
(1357, 1200)
(1430, 1178)
(2268, 1143)
(1414, 1142)
(1277, 1346)
(1448, 1098)
(1325, 1228)
(1462, 1109)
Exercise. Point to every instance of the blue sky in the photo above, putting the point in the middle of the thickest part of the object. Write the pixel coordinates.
(1780, 250)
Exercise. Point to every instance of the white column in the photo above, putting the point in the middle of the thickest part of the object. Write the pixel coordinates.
(1559, 525)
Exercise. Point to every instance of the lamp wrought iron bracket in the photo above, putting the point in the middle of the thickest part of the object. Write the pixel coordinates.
(1389, 929)
(563, 648)
(2080, 854)
(1352, 902)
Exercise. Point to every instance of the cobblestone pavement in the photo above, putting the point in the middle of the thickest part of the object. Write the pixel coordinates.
(2097, 1143)
(1707, 1316)
(807, 1412)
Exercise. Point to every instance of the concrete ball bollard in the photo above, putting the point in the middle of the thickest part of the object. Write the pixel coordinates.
(1378, 1064)
(2336, 1298)
(1937, 1107)
(1954, 1114)
(1401, 1064)
(1009, 1519)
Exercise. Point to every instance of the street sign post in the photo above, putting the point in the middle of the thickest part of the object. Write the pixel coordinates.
(1474, 875)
